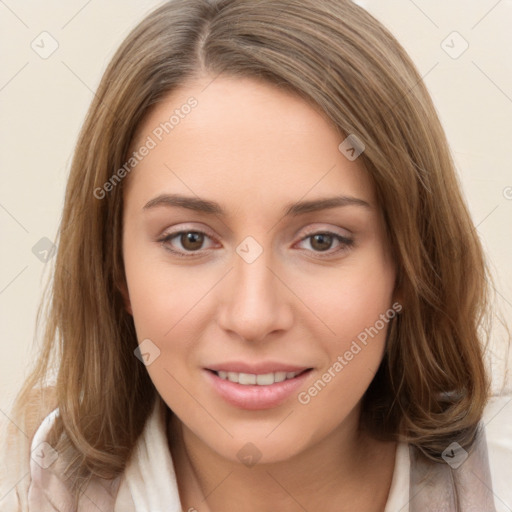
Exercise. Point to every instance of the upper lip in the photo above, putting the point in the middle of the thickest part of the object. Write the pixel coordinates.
(256, 368)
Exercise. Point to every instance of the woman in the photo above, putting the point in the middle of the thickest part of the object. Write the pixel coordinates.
(268, 290)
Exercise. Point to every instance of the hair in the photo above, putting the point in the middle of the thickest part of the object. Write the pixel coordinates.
(432, 385)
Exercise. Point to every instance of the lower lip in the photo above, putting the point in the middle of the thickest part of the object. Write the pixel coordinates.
(253, 397)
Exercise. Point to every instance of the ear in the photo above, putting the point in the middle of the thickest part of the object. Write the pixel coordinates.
(123, 288)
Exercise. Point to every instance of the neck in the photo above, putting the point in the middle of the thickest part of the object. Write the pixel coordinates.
(346, 471)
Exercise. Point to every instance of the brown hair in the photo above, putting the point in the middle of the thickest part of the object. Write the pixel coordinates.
(432, 385)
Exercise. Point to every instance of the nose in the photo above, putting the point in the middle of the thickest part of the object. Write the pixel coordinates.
(255, 301)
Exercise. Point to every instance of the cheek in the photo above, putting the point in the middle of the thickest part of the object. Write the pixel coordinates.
(360, 318)
(162, 306)
(160, 293)
(334, 395)
(351, 298)
(357, 306)
(167, 309)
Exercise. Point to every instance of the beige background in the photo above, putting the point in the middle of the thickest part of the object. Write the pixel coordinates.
(44, 100)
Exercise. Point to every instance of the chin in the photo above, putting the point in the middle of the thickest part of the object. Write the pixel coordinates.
(259, 444)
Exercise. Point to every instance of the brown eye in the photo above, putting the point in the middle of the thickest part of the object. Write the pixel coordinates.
(191, 240)
(185, 243)
(321, 241)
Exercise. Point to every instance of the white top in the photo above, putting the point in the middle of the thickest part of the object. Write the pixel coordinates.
(149, 482)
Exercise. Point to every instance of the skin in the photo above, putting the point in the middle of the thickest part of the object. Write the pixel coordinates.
(253, 149)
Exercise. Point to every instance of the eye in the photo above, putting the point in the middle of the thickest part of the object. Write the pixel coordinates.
(190, 240)
(322, 241)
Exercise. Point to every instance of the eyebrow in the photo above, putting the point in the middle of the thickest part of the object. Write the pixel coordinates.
(290, 210)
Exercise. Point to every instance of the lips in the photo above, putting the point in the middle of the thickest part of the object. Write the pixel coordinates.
(256, 386)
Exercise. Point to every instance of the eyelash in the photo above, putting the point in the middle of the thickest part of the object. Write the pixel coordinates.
(346, 243)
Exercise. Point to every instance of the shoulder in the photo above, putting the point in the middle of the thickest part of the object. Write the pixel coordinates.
(32, 476)
(17, 429)
(49, 485)
(497, 421)
(478, 480)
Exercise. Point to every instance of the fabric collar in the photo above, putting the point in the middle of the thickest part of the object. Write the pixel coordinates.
(149, 484)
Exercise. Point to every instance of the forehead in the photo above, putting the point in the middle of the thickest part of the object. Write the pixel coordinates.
(244, 142)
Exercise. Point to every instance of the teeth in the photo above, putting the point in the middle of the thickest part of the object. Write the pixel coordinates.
(233, 377)
(265, 379)
(280, 376)
(246, 378)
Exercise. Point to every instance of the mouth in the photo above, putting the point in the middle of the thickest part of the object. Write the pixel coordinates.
(258, 390)
(258, 379)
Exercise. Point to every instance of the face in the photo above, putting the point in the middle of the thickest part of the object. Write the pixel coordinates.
(236, 271)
